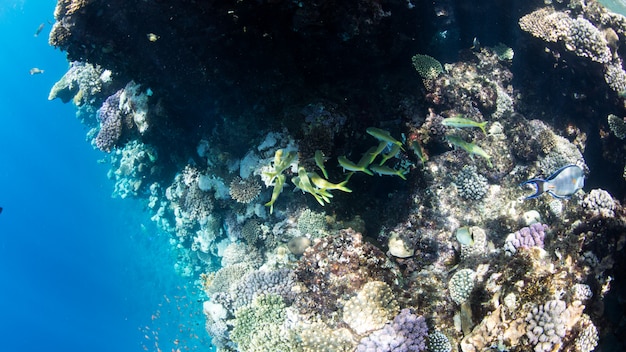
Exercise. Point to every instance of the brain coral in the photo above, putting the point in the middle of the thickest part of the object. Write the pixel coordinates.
(371, 308)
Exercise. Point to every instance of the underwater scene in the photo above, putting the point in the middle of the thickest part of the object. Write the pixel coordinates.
(320, 175)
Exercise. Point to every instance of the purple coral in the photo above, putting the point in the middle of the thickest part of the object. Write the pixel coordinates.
(526, 237)
(110, 117)
(406, 333)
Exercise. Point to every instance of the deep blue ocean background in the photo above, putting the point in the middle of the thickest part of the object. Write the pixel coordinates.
(79, 270)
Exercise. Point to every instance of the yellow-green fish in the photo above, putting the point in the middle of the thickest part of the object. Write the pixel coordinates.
(471, 148)
(461, 122)
(321, 183)
(280, 163)
(319, 161)
(419, 151)
(385, 170)
(303, 182)
(278, 187)
(350, 166)
(383, 135)
(393, 152)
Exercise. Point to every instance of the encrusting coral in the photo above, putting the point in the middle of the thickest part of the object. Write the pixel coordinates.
(372, 307)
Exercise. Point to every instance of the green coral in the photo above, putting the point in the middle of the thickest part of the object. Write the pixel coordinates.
(427, 66)
(260, 327)
(371, 308)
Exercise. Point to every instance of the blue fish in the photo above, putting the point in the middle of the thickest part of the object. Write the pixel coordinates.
(561, 184)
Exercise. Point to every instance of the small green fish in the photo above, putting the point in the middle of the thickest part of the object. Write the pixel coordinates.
(392, 153)
(419, 151)
(371, 154)
(383, 135)
(471, 148)
(385, 170)
(280, 163)
(303, 182)
(321, 183)
(350, 166)
(461, 122)
(464, 236)
(278, 188)
(319, 161)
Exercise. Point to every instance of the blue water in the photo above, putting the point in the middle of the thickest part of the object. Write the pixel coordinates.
(79, 270)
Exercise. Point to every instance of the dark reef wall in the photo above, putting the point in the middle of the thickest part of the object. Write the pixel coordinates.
(267, 52)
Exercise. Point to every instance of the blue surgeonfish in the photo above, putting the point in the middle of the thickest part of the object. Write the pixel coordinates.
(561, 184)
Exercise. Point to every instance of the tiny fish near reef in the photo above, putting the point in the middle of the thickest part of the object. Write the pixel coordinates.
(562, 184)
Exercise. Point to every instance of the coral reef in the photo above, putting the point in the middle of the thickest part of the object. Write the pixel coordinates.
(338, 266)
(438, 342)
(427, 66)
(230, 127)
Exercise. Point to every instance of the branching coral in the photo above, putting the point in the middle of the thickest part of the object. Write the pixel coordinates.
(546, 325)
(406, 333)
(526, 237)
